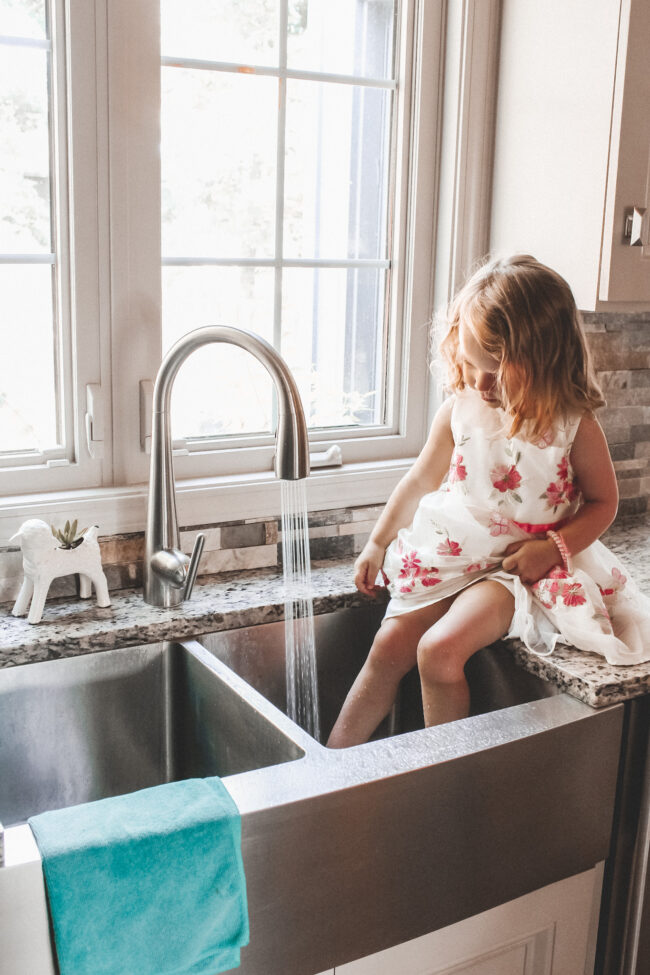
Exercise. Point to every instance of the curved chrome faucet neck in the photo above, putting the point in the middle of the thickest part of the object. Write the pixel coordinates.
(166, 569)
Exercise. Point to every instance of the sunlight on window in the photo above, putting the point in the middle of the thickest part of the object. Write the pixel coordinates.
(28, 393)
(276, 185)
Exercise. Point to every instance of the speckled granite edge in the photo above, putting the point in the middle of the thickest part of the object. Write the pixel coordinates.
(230, 601)
(74, 627)
(586, 676)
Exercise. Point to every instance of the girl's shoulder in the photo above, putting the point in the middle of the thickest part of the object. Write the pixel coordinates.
(567, 428)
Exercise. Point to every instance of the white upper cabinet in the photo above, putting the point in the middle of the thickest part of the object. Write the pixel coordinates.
(572, 144)
(625, 266)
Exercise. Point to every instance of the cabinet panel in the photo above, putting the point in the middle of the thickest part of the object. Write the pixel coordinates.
(572, 143)
(625, 272)
(548, 932)
(553, 124)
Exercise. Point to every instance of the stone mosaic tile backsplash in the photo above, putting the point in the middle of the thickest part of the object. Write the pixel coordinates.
(620, 344)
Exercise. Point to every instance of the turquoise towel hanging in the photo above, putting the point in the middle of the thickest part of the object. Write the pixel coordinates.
(149, 883)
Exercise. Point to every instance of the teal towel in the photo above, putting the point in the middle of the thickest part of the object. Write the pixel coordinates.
(150, 883)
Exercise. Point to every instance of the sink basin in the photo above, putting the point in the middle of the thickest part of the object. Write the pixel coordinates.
(459, 818)
(84, 728)
(342, 640)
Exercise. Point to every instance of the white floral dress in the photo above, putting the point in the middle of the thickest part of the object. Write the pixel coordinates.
(499, 491)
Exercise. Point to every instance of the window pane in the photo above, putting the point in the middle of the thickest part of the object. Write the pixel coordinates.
(223, 147)
(333, 340)
(351, 37)
(24, 158)
(241, 31)
(337, 168)
(220, 389)
(27, 372)
(219, 137)
(23, 18)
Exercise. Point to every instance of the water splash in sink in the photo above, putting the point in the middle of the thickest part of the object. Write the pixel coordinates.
(302, 688)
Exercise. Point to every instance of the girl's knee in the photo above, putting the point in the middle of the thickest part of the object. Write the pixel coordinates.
(441, 660)
(391, 648)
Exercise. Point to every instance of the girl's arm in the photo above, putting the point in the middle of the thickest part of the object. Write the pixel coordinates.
(594, 471)
(426, 475)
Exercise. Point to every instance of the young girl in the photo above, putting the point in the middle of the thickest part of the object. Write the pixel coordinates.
(507, 545)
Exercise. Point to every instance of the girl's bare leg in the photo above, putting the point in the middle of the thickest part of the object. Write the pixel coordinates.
(392, 655)
(478, 616)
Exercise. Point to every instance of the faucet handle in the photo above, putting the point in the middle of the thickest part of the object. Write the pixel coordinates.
(193, 567)
(171, 565)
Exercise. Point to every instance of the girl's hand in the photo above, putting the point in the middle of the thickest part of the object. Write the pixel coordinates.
(531, 560)
(367, 568)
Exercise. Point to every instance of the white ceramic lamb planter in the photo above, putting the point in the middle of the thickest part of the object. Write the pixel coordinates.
(44, 560)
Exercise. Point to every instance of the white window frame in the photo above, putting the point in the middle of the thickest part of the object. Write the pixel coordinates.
(76, 262)
(117, 261)
(255, 454)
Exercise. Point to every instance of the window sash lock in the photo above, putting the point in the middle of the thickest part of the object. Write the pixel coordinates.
(95, 420)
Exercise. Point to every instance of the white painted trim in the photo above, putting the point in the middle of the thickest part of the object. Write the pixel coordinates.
(471, 76)
(273, 262)
(205, 501)
(77, 201)
(133, 68)
(292, 74)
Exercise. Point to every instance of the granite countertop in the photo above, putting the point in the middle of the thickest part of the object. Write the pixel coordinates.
(232, 600)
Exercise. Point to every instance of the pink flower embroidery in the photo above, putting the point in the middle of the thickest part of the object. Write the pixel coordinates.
(554, 495)
(557, 572)
(457, 472)
(562, 491)
(572, 594)
(449, 548)
(618, 583)
(499, 525)
(505, 478)
(413, 570)
(429, 577)
(410, 565)
(477, 566)
(551, 586)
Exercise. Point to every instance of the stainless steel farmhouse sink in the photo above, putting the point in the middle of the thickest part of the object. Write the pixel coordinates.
(346, 852)
(342, 640)
(84, 728)
(370, 846)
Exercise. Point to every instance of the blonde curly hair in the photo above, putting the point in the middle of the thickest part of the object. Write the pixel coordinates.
(524, 314)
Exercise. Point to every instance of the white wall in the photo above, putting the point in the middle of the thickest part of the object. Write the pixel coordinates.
(556, 80)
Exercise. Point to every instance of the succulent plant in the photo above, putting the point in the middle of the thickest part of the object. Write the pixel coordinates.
(68, 538)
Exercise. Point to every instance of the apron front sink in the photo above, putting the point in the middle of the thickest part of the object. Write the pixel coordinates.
(342, 641)
(104, 724)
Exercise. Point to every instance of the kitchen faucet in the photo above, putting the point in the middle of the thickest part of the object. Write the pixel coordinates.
(169, 574)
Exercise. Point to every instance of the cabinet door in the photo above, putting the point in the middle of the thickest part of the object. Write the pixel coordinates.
(549, 932)
(625, 270)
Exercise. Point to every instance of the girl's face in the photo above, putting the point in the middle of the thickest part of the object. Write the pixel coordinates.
(479, 367)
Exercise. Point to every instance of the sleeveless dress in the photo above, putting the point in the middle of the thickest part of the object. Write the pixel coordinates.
(499, 491)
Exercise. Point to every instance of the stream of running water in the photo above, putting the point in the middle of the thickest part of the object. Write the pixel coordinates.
(302, 686)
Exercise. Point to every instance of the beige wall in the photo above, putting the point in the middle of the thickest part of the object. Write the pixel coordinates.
(556, 81)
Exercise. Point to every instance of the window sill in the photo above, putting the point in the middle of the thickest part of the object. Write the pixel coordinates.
(204, 501)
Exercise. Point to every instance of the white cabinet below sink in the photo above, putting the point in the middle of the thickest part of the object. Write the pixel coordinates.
(549, 932)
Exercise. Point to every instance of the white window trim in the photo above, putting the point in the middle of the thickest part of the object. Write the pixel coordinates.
(136, 299)
(78, 201)
(132, 295)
